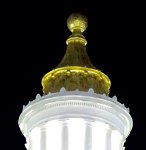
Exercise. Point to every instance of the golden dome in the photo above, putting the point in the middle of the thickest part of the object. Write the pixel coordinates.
(75, 71)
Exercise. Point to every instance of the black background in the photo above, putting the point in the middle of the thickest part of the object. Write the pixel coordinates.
(33, 39)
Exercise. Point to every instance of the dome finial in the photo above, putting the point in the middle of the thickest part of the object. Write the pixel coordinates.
(77, 21)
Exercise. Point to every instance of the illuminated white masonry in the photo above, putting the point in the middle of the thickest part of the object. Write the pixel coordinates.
(75, 121)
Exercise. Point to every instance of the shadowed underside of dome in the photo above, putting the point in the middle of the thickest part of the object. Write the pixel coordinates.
(76, 71)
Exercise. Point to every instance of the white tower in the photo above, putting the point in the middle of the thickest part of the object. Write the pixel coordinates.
(75, 112)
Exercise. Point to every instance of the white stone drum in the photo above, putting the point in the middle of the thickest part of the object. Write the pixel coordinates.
(75, 121)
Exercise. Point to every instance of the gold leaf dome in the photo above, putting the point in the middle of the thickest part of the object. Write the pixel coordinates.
(75, 71)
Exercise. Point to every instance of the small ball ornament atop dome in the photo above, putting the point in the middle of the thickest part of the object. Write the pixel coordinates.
(77, 22)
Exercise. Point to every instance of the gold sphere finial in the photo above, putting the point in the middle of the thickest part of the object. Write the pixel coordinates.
(77, 21)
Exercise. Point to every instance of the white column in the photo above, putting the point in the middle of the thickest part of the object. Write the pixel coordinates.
(76, 134)
(64, 135)
(54, 130)
(108, 139)
(88, 136)
(99, 135)
(35, 139)
(116, 140)
(43, 138)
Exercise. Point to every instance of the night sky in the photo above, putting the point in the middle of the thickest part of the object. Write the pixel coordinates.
(34, 42)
